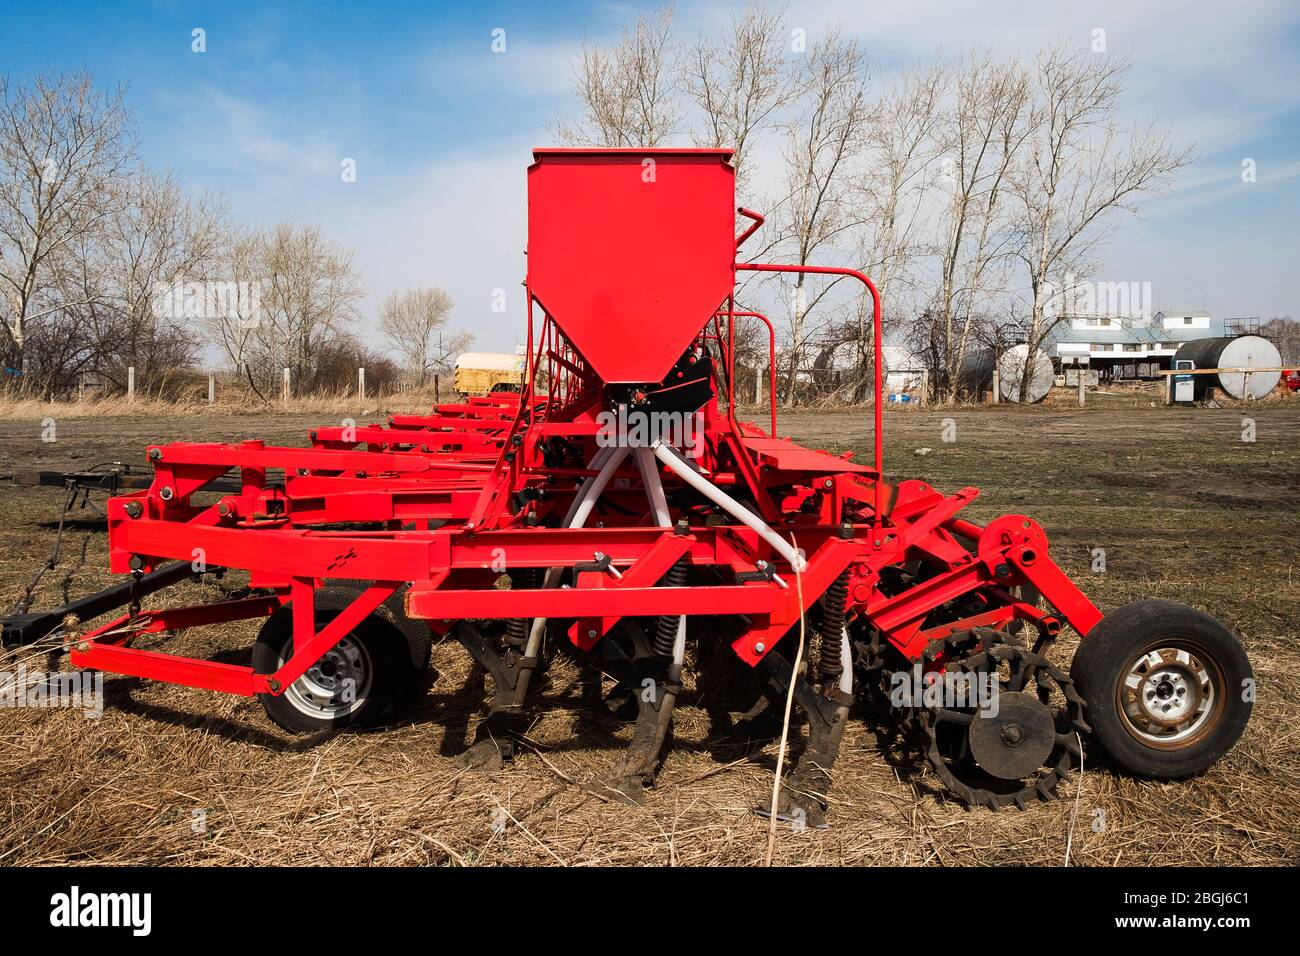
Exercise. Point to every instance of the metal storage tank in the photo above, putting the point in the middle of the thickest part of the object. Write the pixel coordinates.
(1240, 351)
(1011, 366)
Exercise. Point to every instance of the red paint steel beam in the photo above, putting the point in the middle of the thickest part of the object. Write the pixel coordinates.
(453, 604)
(309, 645)
(648, 570)
(207, 675)
(824, 566)
(262, 457)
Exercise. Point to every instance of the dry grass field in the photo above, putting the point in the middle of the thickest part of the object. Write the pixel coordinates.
(1182, 506)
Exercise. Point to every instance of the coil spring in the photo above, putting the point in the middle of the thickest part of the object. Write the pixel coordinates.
(831, 628)
(666, 631)
(516, 635)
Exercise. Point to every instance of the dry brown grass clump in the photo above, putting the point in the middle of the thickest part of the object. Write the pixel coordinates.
(403, 403)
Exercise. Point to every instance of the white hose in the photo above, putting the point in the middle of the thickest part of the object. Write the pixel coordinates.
(653, 486)
(846, 663)
(682, 469)
(609, 458)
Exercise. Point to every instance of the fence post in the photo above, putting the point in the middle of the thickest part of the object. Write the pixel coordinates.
(925, 386)
(361, 384)
(130, 383)
(758, 385)
(284, 387)
(997, 393)
(212, 388)
(1082, 379)
(437, 390)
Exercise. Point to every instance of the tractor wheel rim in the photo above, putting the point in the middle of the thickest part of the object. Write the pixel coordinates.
(336, 685)
(1169, 695)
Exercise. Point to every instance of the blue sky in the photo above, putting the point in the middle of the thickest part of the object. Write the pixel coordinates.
(440, 127)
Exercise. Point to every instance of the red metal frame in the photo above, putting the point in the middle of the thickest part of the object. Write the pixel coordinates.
(445, 496)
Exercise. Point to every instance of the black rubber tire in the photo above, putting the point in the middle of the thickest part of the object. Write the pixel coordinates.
(388, 648)
(1115, 642)
(417, 632)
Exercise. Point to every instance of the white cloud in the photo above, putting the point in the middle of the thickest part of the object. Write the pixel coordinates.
(460, 225)
(240, 136)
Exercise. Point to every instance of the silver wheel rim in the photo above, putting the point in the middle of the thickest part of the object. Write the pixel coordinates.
(1168, 695)
(336, 685)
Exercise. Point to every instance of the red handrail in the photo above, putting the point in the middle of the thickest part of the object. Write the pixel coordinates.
(878, 375)
(748, 214)
(771, 359)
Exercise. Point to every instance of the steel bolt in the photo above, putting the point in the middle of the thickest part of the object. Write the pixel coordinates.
(591, 632)
(155, 454)
(134, 509)
(760, 647)
(166, 493)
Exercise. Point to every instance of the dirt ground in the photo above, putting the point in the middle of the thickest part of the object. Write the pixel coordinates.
(1182, 506)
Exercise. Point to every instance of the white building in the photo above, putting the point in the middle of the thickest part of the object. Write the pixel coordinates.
(1129, 346)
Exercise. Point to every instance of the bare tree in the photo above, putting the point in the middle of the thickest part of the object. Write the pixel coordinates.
(63, 146)
(155, 245)
(1078, 167)
(1285, 333)
(891, 192)
(310, 292)
(982, 130)
(231, 330)
(822, 139)
(627, 91)
(66, 339)
(739, 80)
(414, 323)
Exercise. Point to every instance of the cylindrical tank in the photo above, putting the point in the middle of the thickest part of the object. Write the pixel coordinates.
(1241, 351)
(1011, 369)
